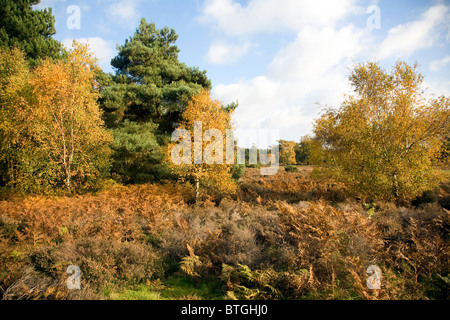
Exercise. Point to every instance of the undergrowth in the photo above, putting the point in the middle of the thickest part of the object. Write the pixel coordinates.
(282, 237)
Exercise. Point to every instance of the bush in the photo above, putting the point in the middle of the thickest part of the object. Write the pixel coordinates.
(291, 168)
(257, 248)
(104, 264)
(428, 196)
(224, 234)
(237, 171)
(33, 285)
(263, 284)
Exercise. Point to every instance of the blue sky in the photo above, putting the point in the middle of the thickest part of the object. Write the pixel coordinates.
(278, 58)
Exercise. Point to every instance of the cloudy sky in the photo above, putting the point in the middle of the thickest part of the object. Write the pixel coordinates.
(282, 60)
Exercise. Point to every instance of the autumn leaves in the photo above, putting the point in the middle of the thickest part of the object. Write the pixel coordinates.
(51, 125)
(384, 141)
(203, 118)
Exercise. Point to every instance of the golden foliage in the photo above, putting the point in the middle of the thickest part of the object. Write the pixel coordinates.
(68, 120)
(383, 141)
(287, 152)
(212, 116)
(51, 131)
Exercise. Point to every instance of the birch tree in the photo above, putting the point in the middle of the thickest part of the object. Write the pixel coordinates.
(202, 148)
(69, 127)
(384, 140)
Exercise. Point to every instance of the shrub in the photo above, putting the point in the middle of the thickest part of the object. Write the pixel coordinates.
(224, 234)
(428, 196)
(247, 284)
(291, 168)
(33, 285)
(237, 171)
(260, 249)
(419, 237)
(103, 263)
(290, 187)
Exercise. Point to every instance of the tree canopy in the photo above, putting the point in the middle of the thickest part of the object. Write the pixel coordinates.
(150, 82)
(287, 152)
(137, 155)
(145, 99)
(28, 29)
(384, 140)
(201, 155)
(51, 131)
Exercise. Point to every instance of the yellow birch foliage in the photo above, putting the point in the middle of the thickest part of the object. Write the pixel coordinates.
(287, 152)
(14, 91)
(202, 108)
(71, 129)
(383, 141)
(51, 132)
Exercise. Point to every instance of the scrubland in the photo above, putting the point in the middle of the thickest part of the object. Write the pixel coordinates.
(287, 236)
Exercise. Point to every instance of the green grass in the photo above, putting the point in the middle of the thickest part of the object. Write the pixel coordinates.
(142, 292)
(178, 287)
(175, 288)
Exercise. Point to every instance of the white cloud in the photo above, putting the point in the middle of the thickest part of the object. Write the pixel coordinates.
(125, 12)
(313, 67)
(104, 50)
(310, 69)
(404, 39)
(314, 51)
(274, 15)
(436, 65)
(222, 52)
(437, 87)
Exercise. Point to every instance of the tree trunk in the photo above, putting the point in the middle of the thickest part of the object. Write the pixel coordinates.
(68, 182)
(197, 189)
(10, 169)
(395, 186)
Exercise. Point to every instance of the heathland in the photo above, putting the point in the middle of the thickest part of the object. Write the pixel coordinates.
(94, 180)
(280, 237)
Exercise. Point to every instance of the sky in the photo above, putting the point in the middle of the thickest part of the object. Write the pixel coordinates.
(284, 61)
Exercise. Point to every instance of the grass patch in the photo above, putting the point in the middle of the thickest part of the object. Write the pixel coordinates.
(183, 287)
(173, 288)
(141, 292)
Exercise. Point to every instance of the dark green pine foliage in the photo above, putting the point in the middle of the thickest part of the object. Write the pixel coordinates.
(137, 153)
(303, 150)
(144, 100)
(150, 82)
(28, 29)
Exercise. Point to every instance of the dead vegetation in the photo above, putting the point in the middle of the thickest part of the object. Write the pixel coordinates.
(282, 237)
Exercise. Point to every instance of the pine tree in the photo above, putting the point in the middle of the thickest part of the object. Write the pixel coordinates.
(28, 29)
(150, 89)
(150, 82)
(137, 155)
